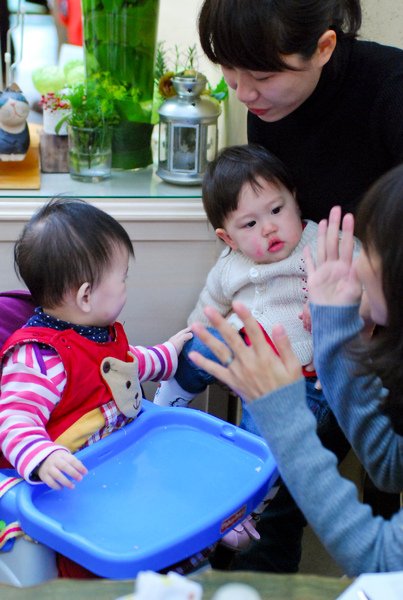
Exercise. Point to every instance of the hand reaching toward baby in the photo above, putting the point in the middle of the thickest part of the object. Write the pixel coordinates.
(180, 338)
(57, 469)
(251, 371)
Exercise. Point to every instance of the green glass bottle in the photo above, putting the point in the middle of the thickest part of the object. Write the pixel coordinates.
(120, 38)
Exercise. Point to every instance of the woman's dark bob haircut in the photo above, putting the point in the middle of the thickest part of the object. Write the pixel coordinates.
(258, 34)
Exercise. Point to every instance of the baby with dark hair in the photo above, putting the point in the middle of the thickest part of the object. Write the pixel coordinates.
(251, 202)
(59, 390)
(74, 259)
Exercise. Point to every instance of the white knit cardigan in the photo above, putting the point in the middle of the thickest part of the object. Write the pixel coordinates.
(275, 293)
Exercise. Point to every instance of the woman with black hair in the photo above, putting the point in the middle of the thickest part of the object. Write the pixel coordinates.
(328, 105)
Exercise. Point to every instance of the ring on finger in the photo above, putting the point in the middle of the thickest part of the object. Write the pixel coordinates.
(228, 361)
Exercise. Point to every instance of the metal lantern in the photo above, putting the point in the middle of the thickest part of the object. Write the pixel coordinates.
(188, 133)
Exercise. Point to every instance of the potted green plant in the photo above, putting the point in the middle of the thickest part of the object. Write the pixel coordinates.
(181, 63)
(89, 125)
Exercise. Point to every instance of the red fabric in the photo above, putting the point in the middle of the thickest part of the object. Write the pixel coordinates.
(75, 24)
(68, 569)
(270, 342)
(85, 389)
(70, 15)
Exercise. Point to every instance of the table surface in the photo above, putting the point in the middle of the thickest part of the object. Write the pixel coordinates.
(137, 183)
(128, 195)
(141, 183)
(270, 587)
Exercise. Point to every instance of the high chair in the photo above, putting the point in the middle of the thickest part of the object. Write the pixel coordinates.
(162, 488)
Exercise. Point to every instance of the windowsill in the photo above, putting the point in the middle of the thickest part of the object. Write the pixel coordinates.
(127, 195)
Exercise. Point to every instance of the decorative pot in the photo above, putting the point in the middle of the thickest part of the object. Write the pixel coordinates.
(51, 118)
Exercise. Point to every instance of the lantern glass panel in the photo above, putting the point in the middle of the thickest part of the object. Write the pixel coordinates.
(163, 143)
(211, 143)
(185, 144)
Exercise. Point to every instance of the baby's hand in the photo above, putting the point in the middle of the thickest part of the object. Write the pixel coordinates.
(310, 366)
(180, 338)
(55, 468)
(305, 317)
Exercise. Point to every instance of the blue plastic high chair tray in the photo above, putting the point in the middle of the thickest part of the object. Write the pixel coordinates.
(160, 489)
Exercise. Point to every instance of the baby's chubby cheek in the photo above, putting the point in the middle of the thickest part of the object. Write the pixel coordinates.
(257, 249)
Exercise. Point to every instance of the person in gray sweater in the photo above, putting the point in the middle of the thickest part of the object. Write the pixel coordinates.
(362, 378)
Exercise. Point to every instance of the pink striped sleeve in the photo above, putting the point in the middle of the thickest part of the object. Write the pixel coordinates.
(156, 363)
(27, 398)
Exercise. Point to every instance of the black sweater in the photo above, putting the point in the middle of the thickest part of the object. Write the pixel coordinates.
(347, 133)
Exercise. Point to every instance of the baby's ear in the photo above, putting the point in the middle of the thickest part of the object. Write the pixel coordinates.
(227, 239)
(83, 297)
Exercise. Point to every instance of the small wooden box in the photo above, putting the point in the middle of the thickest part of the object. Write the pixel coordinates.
(54, 153)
